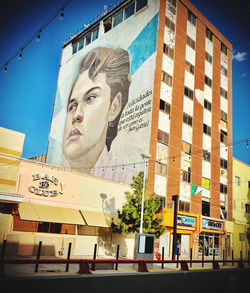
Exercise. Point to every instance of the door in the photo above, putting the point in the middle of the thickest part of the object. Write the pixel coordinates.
(185, 245)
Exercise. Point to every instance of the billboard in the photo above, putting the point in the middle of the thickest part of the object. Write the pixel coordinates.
(101, 121)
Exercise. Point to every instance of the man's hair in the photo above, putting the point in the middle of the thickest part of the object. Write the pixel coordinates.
(115, 63)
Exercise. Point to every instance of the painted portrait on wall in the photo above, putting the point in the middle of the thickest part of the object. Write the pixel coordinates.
(101, 121)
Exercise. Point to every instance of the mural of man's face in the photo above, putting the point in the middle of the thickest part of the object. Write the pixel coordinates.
(88, 113)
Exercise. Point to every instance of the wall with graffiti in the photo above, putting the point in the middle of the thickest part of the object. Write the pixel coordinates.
(103, 105)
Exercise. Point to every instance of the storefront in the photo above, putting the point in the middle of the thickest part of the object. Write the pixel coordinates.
(58, 206)
(211, 236)
(187, 233)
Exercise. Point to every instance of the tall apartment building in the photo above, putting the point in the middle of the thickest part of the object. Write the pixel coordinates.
(151, 77)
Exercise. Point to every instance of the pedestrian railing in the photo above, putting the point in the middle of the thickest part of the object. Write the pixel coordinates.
(85, 265)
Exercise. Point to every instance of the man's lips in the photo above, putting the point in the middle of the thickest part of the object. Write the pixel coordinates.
(74, 134)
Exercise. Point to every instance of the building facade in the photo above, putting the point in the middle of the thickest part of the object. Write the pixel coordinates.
(241, 208)
(178, 109)
(151, 77)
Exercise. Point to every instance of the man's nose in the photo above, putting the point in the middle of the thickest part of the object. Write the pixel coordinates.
(78, 116)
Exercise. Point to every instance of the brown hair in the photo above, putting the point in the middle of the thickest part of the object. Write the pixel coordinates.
(115, 63)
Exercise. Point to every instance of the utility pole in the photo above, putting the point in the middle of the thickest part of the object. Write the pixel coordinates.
(175, 199)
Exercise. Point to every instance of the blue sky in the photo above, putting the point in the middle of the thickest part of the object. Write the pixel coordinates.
(28, 88)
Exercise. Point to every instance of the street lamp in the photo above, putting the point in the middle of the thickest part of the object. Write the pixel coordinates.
(145, 158)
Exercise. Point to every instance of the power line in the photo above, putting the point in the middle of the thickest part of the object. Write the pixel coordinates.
(134, 164)
(36, 35)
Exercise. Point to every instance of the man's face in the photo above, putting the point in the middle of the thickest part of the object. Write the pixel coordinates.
(87, 116)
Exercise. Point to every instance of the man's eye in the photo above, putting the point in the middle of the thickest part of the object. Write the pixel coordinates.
(90, 98)
(72, 107)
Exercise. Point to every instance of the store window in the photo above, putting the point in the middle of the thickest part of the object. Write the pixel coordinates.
(209, 243)
(47, 227)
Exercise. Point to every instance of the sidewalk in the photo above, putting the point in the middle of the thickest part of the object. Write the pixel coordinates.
(55, 269)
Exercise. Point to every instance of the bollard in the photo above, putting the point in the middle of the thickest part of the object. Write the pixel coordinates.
(117, 257)
(84, 267)
(232, 257)
(177, 264)
(191, 257)
(213, 254)
(142, 267)
(94, 257)
(3, 249)
(162, 257)
(184, 266)
(68, 258)
(223, 257)
(248, 257)
(241, 258)
(38, 256)
(202, 257)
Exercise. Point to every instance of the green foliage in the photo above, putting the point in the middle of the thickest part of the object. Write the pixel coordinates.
(130, 215)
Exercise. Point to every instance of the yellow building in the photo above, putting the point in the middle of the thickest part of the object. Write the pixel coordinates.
(11, 146)
(241, 207)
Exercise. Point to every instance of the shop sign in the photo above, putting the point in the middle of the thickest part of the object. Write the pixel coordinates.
(185, 221)
(211, 225)
(48, 185)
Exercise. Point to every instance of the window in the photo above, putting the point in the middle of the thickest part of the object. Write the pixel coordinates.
(186, 175)
(190, 42)
(223, 115)
(247, 207)
(140, 4)
(237, 180)
(223, 93)
(162, 137)
(191, 17)
(47, 227)
(186, 147)
(206, 155)
(95, 34)
(189, 67)
(129, 10)
(168, 51)
(223, 188)
(209, 34)
(160, 168)
(187, 119)
(207, 105)
(88, 39)
(248, 184)
(184, 206)
(208, 57)
(223, 136)
(163, 203)
(165, 77)
(74, 48)
(173, 2)
(165, 107)
(170, 24)
(205, 183)
(208, 81)
(117, 18)
(207, 129)
(223, 49)
(205, 208)
(223, 70)
(107, 23)
(223, 163)
(189, 93)
(81, 44)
